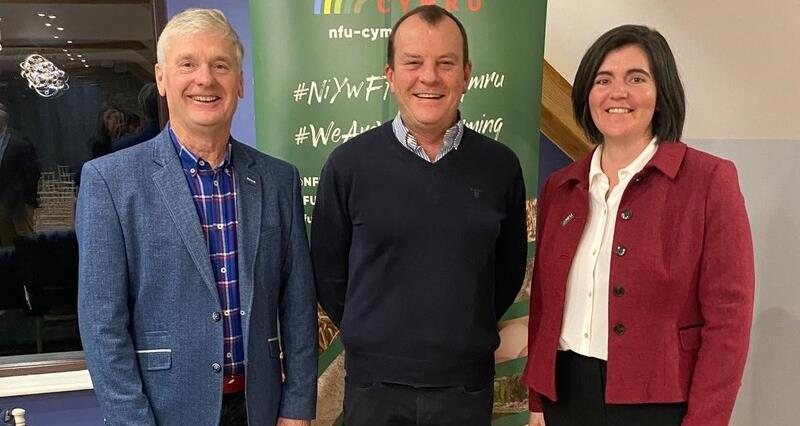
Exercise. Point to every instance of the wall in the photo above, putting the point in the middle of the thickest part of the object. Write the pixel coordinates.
(738, 58)
(768, 175)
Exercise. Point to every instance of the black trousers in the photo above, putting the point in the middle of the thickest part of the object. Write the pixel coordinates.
(388, 404)
(234, 410)
(580, 386)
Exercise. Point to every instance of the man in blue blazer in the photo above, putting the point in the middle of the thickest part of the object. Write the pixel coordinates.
(194, 266)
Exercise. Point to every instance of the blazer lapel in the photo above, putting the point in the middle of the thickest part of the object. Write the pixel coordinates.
(249, 212)
(171, 184)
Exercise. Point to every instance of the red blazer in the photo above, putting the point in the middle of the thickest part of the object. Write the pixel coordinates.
(681, 285)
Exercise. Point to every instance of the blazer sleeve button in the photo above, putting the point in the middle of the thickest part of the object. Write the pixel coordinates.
(620, 250)
(626, 214)
(619, 329)
(619, 291)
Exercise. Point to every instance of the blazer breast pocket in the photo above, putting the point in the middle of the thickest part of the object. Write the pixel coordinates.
(153, 351)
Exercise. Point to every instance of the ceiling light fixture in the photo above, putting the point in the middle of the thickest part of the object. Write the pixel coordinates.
(52, 16)
(69, 41)
(47, 24)
(60, 28)
(43, 76)
(41, 15)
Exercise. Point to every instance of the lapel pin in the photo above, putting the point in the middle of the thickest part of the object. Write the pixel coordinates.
(250, 180)
(567, 219)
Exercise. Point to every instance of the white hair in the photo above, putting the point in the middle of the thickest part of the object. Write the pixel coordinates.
(196, 21)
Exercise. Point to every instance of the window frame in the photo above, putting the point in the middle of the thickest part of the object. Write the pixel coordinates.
(62, 362)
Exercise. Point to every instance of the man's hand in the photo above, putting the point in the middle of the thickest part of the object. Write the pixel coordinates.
(294, 422)
(537, 419)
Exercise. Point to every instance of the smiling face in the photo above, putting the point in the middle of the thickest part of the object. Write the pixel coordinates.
(428, 75)
(202, 80)
(622, 100)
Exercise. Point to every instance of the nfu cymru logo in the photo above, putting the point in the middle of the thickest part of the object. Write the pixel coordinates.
(348, 7)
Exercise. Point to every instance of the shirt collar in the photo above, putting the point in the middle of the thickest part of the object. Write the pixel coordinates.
(596, 169)
(452, 136)
(192, 162)
(667, 159)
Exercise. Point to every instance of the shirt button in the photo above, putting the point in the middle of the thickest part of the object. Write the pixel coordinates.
(201, 162)
(585, 335)
(619, 329)
(226, 312)
(626, 214)
(216, 183)
(223, 270)
(216, 367)
(229, 355)
(241, 313)
(620, 250)
(220, 226)
(192, 171)
(216, 316)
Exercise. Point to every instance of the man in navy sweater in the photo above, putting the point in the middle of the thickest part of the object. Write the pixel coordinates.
(418, 241)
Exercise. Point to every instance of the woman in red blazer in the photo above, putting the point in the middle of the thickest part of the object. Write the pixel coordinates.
(642, 292)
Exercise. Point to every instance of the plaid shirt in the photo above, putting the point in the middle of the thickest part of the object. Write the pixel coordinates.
(214, 194)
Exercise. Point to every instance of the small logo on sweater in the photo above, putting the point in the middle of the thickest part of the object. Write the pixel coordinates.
(476, 192)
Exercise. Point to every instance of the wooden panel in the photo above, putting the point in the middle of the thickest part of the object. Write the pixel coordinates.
(558, 122)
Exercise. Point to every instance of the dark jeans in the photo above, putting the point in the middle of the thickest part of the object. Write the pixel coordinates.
(234, 410)
(388, 404)
(580, 387)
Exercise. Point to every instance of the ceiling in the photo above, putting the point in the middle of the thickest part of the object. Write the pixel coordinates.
(110, 34)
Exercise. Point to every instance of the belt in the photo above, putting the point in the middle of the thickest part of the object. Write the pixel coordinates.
(233, 384)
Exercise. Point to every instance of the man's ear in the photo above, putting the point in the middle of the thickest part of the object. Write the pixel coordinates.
(388, 72)
(159, 69)
(467, 74)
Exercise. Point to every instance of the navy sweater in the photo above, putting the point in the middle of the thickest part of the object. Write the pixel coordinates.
(416, 261)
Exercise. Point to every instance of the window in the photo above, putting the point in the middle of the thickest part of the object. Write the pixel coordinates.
(76, 82)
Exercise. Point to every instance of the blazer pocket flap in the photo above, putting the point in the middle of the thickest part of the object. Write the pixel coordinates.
(154, 359)
(690, 337)
(268, 231)
(274, 347)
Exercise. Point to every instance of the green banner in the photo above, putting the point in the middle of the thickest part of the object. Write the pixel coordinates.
(318, 67)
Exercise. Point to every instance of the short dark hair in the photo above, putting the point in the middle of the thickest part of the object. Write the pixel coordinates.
(670, 111)
(431, 14)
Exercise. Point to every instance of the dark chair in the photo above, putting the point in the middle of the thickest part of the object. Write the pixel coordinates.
(47, 267)
(12, 296)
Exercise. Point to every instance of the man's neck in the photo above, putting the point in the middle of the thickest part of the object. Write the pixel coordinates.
(210, 146)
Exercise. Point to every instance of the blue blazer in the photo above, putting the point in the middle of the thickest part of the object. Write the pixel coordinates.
(148, 303)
